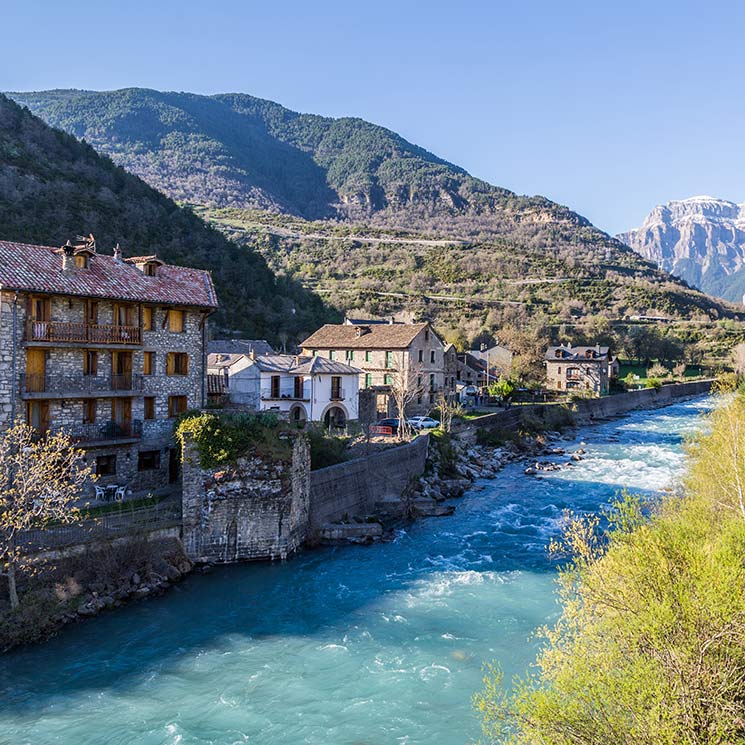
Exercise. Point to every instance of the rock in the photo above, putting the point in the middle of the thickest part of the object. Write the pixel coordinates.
(136, 580)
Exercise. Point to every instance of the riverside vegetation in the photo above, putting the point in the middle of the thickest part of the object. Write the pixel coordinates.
(650, 645)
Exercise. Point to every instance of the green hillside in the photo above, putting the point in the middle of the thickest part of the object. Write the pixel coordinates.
(53, 187)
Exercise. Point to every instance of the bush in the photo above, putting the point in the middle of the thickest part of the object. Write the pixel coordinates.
(655, 383)
(650, 647)
(325, 450)
(222, 439)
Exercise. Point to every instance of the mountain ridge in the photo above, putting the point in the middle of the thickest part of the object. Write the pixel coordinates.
(700, 239)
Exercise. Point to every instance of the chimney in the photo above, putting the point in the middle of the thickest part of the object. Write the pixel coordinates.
(117, 253)
(68, 257)
(252, 354)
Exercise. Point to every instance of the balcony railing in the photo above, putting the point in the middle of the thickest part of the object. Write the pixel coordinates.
(288, 394)
(105, 431)
(66, 332)
(56, 384)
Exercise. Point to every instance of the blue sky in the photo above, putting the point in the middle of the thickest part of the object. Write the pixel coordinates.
(608, 107)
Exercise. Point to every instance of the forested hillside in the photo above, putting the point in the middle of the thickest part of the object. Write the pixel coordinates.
(394, 228)
(53, 187)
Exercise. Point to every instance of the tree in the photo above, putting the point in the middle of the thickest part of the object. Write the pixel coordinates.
(40, 479)
(502, 389)
(406, 388)
(738, 359)
(449, 408)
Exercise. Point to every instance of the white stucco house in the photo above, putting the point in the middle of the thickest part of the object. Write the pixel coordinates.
(307, 389)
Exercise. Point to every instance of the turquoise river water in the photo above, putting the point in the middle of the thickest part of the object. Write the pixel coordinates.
(348, 646)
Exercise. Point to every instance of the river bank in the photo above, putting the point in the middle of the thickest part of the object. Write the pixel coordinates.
(358, 644)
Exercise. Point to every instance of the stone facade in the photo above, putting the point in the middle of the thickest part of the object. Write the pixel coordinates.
(382, 352)
(61, 371)
(254, 509)
(585, 370)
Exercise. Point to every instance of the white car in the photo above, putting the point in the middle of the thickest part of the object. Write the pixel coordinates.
(423, 422)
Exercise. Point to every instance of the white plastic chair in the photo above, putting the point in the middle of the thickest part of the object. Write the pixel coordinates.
(119, 493)
(100, 493)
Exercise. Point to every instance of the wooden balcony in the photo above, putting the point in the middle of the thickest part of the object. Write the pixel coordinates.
(86, 386)
(64, 332)
(106, 433)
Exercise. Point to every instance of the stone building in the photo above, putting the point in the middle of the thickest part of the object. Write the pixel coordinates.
(386, 354)
(109, 349)
(587, 369)
(306, 389)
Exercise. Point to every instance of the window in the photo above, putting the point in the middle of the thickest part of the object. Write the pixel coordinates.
(149, 412)
(81, 261)
(432, 356)
(177, 363)
(151, 269)
(91, 312)
(421, 355)
(299, 382)
(124, 315)
(431, 382)
(558, 370)
(148, 460)
(176, 405)
(37, 415)
(368, 356)
(314, 353)
(176, 321)
(332, 354)
(368, 380)
(275, 386)
(148, 363)
(426, 334)
(89, 411)
(336, 391)
(147, 318)
(389, 359)
(388, 379)
(350, 355)
(106, 465)
(90, 362)
(40, 309)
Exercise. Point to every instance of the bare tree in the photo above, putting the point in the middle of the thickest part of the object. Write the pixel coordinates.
(738, 359)
(449, 408)
(40, 478)
(406, 388)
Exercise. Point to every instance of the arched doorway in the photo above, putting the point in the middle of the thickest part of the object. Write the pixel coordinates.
(298, 417)
(335, 418)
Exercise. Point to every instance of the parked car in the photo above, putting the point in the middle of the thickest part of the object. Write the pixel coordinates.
(423, 422)
(392, 423)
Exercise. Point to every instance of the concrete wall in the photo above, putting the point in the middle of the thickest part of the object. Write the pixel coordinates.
(255, 509)
(351, 489)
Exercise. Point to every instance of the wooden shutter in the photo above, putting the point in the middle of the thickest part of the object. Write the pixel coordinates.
(170, 363)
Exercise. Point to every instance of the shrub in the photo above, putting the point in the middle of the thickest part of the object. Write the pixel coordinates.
(655, 383)
(325, 450)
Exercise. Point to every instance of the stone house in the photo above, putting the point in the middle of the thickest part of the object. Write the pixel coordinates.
(386, 354)
(306, 389)
(109, 349)
(222, 354)
(588, 369)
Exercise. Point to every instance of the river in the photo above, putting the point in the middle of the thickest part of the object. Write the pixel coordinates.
(343, 646)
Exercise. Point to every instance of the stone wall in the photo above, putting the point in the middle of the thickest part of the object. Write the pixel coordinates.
(352, 489)
(587, 410)
(255, 509)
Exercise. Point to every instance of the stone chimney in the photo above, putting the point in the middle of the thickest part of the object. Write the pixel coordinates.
(118, 253)
(68, 257)
(252, 354)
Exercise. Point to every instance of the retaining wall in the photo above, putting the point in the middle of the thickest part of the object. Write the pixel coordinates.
(352, 488)
(587, 410)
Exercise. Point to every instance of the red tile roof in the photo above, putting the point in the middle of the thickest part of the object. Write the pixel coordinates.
(376, 336)
(39, 269)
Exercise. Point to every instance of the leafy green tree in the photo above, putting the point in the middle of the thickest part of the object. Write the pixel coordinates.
(502, 389)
